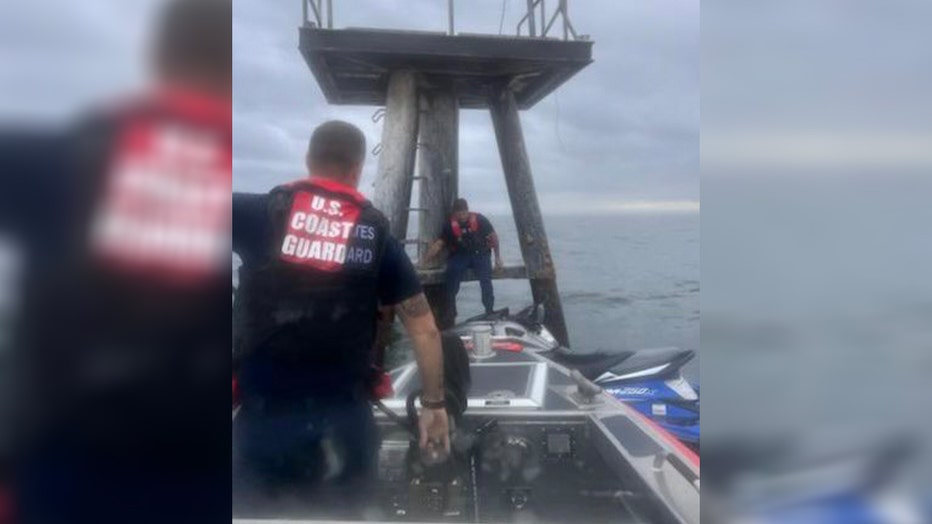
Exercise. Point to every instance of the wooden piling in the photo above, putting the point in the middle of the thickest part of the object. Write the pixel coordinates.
(399, 144)
(439, 177)
(437, 161)
(393, 68)
(526, 210)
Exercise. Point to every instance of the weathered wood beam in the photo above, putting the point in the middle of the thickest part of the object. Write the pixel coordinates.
(438, 171)
(438, 162)
(526, 210)
(399, 145)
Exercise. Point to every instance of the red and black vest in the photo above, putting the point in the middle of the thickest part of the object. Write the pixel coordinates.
(310, 312)
(162, 209)
(468, 239)
(472, 226)
(140, 281)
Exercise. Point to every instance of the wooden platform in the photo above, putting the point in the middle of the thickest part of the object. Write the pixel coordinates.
(353, 66)
(434, 275)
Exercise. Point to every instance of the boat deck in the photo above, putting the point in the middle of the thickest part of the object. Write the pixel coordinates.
(531, 449)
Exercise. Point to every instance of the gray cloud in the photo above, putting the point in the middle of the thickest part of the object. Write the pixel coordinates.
(626, 128)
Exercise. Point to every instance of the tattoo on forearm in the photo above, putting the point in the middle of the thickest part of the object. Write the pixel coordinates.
(414, 307)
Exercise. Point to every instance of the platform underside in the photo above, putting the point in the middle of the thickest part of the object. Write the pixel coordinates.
(352, 66)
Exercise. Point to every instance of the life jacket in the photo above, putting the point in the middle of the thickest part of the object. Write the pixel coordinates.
(310, 311)
(472, 226)
(469, 239)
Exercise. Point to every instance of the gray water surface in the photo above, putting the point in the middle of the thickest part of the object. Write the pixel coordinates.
(628, 281)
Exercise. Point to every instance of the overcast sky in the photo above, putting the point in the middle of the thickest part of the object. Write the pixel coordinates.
(623, 133)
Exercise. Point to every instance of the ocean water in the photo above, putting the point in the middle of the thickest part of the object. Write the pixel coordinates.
(628, 280)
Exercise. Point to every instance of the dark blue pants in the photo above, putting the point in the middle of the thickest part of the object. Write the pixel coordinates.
(481, 264)
(61, 484)
(308, 458)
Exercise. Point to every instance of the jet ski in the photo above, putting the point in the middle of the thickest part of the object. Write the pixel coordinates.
(650, 380)
(775, 480)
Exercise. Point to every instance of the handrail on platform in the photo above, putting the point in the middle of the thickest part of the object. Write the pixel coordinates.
(562, 11)
(320, 10)
(318, 13)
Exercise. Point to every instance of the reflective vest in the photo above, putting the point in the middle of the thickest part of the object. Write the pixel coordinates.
(163, 207)
(310, 312)
(469, 239)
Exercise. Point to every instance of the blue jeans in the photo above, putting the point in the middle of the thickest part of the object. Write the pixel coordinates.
(481, 264)
(314, 457)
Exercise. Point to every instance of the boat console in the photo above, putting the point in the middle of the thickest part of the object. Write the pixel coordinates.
(537, 443)
(523, 451)
(504, 469)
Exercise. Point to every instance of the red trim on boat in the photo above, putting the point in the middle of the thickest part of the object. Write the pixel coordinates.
(681, 448)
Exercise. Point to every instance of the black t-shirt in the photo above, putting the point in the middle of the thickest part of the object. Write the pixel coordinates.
(171, 342)
(469, 242)
(397, 279)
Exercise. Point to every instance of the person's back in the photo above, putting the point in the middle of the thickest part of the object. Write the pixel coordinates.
(318, 270)
(307, 309)
(123, 342)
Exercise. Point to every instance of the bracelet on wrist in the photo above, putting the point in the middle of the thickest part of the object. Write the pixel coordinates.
(433, 404)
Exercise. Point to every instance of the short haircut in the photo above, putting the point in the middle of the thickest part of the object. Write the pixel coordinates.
(460, 205)
(336, 145)
(195, 35)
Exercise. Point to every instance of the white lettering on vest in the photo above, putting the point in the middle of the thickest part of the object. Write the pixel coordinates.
(323, 227)
(298, 220)
(328, 251)
(318, 232)
(311, 224)
(315, 250)
(288, 246)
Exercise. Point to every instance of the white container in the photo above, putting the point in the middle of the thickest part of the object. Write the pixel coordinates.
(482, 341)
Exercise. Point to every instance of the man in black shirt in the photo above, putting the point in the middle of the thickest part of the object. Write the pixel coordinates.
(121, 338)
(318, 265)
(471, 239)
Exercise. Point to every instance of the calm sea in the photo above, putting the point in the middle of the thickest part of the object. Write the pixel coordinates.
(628, 280)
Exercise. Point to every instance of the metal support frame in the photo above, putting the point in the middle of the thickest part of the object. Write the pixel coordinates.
(450, 29)
(321, 12)
(561, 11)
(323, 17)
